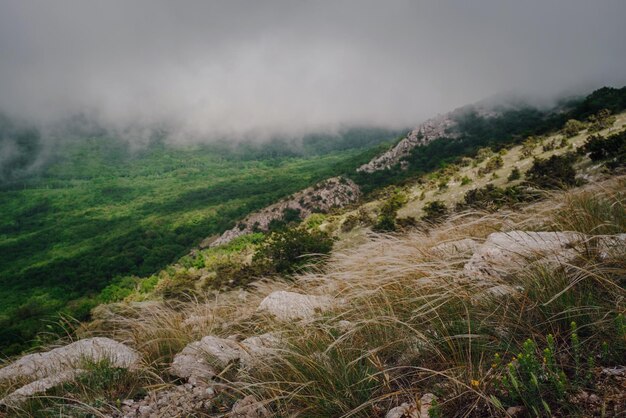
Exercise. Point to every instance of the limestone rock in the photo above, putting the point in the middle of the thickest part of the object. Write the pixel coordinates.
(178, 401)
(201, 360)
(41, 365)
(39, 386)
(331, 193)
(46, 370)
(456, 248)
(288, 306)
(411, 410)
(205, 358)
(405, 410)
(504, 251)
(249, 407)
(259, 348)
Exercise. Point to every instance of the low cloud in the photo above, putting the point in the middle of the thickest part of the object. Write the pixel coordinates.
(256, 69)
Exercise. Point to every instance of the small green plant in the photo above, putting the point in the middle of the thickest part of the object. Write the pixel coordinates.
(435, 211)
(572, 127)
(465, 180)
(388, 212)
(516, 174)
(553, 173)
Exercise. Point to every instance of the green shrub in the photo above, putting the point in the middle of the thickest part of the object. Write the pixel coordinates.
(435, 211)
(516, 174)
(611, 148)
(387, 217)
(553, 173)
(289, 250)
(572, 127)
(491, 197)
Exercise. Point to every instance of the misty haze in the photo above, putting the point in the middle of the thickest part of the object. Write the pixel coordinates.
(312, 208)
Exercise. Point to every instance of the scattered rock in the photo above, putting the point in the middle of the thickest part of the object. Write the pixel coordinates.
(411, 410)
(178, 401)
(331, 193)
(249, 407)
(426, 402)
(611, 245)
(504, 251)
(69, 357)
(456, 248)
(288, 306)
(405, 410)
(39, 386)
(515, 411)
(201, 360)
(46, 370)
(259, 347)
(619, 371)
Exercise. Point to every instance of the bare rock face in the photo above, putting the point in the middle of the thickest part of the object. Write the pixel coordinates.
(505, 251)
(249, 407)
(331, 193)
(288, 306)
(437, 127)
(45, 370)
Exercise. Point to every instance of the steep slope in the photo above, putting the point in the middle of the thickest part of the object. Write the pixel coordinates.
(335, 192)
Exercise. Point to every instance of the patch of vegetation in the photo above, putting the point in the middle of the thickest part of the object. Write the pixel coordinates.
(492, 198)
(386, 221)
(553, 173)
(611, 149)
(100, 212)
(434, 211)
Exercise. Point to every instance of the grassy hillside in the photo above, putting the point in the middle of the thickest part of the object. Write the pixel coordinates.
(101, 209)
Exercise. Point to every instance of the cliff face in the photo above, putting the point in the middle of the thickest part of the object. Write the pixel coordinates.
(441, 126)
(438, 127)
(330, 193)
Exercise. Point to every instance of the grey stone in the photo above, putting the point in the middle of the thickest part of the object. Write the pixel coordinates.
(288, 306)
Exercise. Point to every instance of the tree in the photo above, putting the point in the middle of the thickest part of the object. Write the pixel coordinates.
(572, 127)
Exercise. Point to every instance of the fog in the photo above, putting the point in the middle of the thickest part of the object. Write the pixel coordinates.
(256, 69)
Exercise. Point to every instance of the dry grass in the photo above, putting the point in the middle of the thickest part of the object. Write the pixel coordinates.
(416, 323)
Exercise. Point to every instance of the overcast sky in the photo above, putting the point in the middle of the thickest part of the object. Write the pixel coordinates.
(259, 68)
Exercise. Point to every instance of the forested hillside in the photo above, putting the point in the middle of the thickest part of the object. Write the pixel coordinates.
(96, 208)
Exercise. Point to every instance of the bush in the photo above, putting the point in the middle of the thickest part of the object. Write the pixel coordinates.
(491, 197)
(387, 217)
(516, 174)
(572, 127)
(289, 250)
(435, 211)
(612, 148)
(601, 120)
(553, 173)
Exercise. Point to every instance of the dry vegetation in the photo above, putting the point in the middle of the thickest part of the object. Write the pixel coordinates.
(409, 321)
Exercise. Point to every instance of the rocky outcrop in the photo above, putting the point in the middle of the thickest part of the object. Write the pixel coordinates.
(438, 127)
(456, 248)
(504, 252)
(289, 306)
(201, 360)
(332, 193)
(42, 371)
